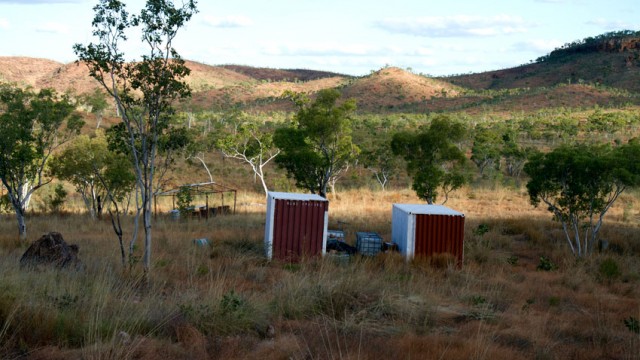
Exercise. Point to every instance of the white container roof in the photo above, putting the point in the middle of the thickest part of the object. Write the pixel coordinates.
(295, 196)
(424, 209)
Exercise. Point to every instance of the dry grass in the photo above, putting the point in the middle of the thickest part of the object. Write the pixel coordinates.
(226, 301)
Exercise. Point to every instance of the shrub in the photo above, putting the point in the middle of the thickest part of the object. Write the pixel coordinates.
(481, 229)
(609, 269)
(183, 200)
(546, 264)
(632, 324)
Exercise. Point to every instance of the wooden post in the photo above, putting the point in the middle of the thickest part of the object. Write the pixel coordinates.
(235, 195)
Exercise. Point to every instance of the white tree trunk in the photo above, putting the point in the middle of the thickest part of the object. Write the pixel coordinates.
(22, 226)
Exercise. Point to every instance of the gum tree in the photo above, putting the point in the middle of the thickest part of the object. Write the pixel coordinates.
(32, 126)
(251, 144)
(579, 184)
(434, 158)
(144, 90)
(317, 147)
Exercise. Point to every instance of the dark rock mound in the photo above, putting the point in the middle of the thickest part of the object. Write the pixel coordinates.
(51, 250)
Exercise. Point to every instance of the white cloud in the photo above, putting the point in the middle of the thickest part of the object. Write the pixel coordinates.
(343, 50)
(612, 24)
(537, 46)
(4, 24)
(53, 28)
(324, 49)
(454, 26)
(228, 21)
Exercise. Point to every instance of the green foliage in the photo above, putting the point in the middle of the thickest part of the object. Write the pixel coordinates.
(481, 229)
(252, 144)
(546, 264)
(609, 269)
(184, 200)
(5, 204)
(373, 137)
(632, 324)
(588, 44)
(579, 184)
(434, 159)
(94, 170)
(32, 126)
(477, 300)
(317, 147)
(144, 91)
(55, 201)
(486, 148)
(97, 103)
(233, 314)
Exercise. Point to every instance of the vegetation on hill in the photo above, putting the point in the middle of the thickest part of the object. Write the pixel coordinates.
(611, 59)
(616, 41)
(287, 75)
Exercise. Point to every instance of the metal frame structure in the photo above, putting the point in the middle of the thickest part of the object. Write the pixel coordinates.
(205, 189)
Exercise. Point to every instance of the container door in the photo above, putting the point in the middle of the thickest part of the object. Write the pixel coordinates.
(299, 227)
(438, 234)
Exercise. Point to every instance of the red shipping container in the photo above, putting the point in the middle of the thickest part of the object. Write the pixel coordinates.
(296, 226)
(427, 230)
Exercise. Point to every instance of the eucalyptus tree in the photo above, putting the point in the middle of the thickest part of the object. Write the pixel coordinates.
(32, 126)
(252, 144)
(97, 103)
(145, 90)
(485, 152)
(317, 147)
(434, 158)
(579, 184)
(89, 165)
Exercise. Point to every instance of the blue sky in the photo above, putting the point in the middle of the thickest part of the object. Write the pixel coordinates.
(347, 36)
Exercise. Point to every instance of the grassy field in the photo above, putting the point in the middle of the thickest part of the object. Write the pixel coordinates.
(226, 301)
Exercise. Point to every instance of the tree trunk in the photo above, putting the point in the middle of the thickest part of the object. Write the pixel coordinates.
(146, 259)
(20, 216)
(264, 184)
(22, 226)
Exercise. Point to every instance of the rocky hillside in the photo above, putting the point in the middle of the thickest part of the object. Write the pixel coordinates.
(26, 71)
(603, 71)
(611, 59)
(287, 75)
(392, 87)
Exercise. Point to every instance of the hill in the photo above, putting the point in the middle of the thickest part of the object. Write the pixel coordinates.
(611, 59)
(387, 89)
(603, 70)
(25, 71)
(392, 87)
(286, 75)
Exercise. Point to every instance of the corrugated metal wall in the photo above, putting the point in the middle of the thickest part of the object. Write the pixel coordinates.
(437, 234)
(298, 229)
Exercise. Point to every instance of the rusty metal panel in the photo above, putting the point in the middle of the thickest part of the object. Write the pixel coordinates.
(426, 230)
(438, 234)
(298, 228)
